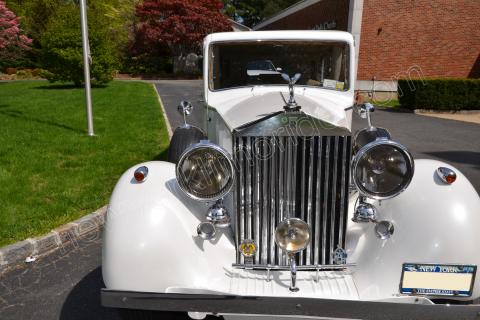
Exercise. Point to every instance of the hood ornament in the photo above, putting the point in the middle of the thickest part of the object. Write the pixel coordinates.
(291, 104)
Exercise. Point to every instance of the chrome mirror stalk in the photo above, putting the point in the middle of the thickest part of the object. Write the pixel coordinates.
(185, 108)
(364, 111)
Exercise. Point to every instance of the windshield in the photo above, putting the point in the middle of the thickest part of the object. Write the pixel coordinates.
(240, 64)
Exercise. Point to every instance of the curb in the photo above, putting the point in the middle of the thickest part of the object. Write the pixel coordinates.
(17, 253)
(430, 111)
(169, 128)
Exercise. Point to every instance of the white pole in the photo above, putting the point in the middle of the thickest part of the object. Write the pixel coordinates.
(86, 66)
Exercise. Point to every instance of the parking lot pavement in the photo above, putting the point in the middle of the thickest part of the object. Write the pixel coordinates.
(174, 91)
(66, 284)
(63, 285)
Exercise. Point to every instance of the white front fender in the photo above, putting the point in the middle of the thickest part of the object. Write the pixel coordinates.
(150, 241)
(434, 223)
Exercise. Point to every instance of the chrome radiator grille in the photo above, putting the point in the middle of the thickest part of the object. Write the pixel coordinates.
(292, 176)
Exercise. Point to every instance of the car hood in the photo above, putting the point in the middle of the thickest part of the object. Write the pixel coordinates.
(239, 107)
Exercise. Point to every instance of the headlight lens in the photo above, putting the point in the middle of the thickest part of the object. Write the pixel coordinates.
(205, 172)
(382, 169)
(292, 235)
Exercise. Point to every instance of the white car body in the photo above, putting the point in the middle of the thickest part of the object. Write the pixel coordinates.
(151, 244)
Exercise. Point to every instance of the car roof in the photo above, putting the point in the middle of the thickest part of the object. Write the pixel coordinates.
(330, 35)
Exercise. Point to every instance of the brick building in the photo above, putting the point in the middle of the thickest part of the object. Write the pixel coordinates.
(396, 38)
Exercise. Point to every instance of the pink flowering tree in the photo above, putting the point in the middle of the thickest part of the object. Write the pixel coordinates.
(13, 43)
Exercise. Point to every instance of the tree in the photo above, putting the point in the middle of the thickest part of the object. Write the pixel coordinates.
(178, 25)
(61, 45)
(251, 12)
(13, 43)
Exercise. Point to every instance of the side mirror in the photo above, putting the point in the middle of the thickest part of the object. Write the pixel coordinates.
(279, 69)
(185, 108)
(363, 110)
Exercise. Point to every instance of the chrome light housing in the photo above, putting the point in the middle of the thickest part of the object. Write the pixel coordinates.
(382, 169)
(292, 235)
(205, 171)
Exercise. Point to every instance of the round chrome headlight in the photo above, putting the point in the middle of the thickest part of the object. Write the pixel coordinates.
(382, 169)
(205, 171)
(292, 235)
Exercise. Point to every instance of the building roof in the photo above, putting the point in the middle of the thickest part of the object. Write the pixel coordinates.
(286, 12)
(236, 26)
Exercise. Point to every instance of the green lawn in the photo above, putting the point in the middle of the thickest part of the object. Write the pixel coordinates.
(386, 103)
(51, 172)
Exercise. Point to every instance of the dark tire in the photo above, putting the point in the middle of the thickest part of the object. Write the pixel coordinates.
(183, 137)
(130, 314)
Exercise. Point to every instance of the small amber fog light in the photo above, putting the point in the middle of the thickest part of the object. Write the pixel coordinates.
(447, 175)
(141, 174)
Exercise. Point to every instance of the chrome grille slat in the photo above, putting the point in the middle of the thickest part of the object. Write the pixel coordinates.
(248, 193)
(334, 196)
(240, 195)
(302, 189)
(318, 200)
(273, 202)
(325, 203)
(256, 197)
(343, 203)
(305, 177)
(265, 212)
(309, 194)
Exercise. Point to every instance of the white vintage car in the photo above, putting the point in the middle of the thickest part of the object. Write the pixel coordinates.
(275, 209)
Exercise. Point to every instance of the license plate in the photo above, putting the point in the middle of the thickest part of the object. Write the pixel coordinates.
(437, 279)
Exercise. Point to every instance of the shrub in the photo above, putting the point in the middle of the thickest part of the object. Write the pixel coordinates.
(13, 42)
(62, 47)
(176, 27)
(440, 94)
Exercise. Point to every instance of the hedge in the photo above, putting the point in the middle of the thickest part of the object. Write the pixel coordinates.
(439, 94)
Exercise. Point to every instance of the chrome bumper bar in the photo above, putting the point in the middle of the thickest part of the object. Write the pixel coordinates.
(328, 308)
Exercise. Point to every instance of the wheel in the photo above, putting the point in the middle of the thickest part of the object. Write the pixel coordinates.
(183, 137)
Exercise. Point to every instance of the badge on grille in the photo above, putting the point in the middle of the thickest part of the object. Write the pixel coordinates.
(339, 256)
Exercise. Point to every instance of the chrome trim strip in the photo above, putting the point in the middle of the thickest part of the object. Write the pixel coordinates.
(311, 267)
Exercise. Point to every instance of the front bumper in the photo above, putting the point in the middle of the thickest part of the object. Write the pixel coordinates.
(254, 305)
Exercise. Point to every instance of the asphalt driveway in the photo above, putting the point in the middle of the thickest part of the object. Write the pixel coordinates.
(66, 284)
